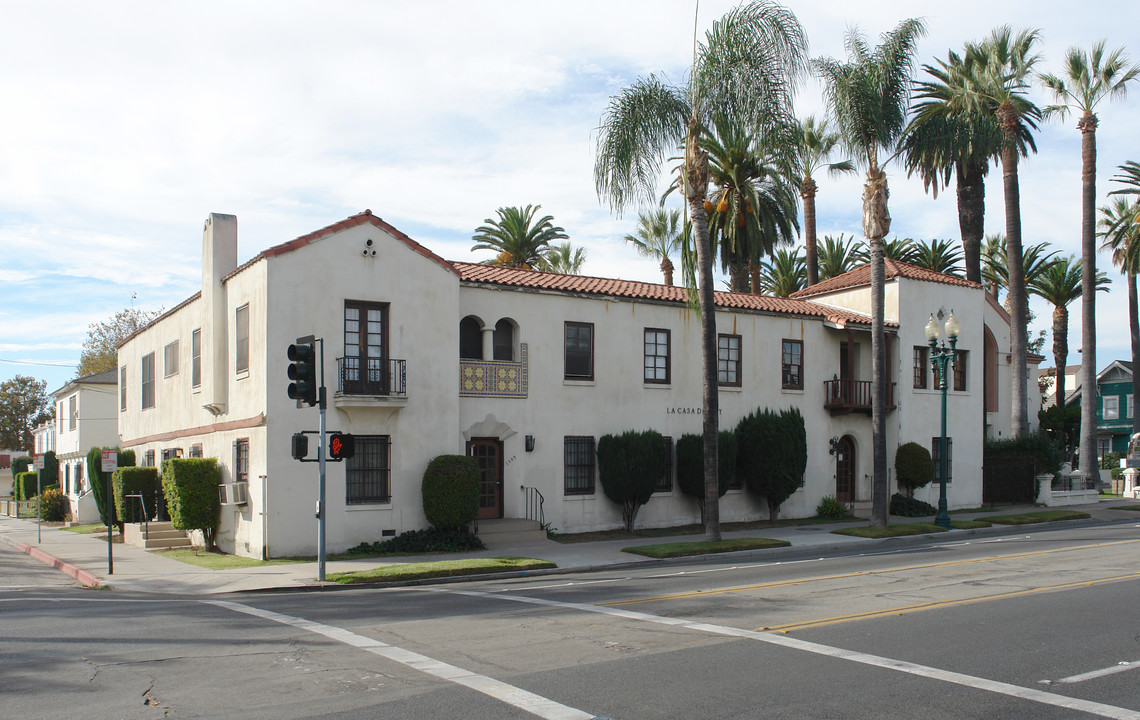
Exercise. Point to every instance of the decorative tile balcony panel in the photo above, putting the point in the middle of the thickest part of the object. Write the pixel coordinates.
(495, 378)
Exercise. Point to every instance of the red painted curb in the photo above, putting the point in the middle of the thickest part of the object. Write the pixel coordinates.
(85, 578)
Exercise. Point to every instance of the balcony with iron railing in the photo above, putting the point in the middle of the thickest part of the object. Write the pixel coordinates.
(841, 396)
(370, 382)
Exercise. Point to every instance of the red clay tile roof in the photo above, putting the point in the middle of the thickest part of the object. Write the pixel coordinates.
(894, 268)
(535, 280)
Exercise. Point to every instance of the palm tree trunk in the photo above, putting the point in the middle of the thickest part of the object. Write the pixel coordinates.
(807, 192)
(1134, 331)
(876, 225)
(697, 175)
(971, 188)
(1060, 349)
(1015, 260)
(1089, 463)
(667, 271)
(738, 274)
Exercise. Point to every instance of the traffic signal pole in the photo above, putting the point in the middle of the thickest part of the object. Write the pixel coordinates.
(321, 513)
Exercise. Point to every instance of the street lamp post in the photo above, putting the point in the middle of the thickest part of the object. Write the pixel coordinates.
(941, 359)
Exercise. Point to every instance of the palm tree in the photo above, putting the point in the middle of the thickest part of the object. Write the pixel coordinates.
(784, 273)
(519, 240)
(868, 96)
(1000, 66)
(942, 256)
(564, 259)
(658, 235)
(944, 137)
(837, 256)
(1120, 228)
(1059, 283)
(1088, 78)
(813, 145)
(1035, 259)
(753, 206)
(902, 249)
(745, 70)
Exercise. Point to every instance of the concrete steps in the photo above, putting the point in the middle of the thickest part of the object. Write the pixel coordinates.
(507, 532)
(158, 536)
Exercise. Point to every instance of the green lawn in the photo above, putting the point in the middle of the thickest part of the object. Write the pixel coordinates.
(684, 549)
(439, 568)
(1038, 516)
(86, 529)
(694, 529)
(221, 561)
(1126, 507)
(869, 531)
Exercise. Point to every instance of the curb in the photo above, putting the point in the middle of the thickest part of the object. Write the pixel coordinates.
(79, 574)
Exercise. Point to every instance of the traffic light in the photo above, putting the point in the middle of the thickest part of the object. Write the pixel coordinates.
(302, 371)
(342, 446)
(300, 446)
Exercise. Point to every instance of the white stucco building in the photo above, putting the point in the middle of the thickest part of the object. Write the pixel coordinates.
(525, 371)
(86, 416)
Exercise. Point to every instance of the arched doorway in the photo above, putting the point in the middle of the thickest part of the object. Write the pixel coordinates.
(845, 470)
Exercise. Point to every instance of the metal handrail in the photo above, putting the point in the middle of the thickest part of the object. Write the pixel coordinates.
(376, 376)
(533, 502)
(142, 505)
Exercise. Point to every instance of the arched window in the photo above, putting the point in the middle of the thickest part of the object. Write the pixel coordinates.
(990, 371)
(470, 338)
(504, 340)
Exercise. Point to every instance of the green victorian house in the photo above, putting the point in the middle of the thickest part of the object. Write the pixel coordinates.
(1114, 410)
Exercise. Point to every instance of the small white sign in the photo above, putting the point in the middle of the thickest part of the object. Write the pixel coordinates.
(110, 460)
(38, 462)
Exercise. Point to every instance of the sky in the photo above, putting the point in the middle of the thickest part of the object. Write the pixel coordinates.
(126, 123)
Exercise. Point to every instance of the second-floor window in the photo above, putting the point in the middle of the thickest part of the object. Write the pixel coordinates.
(1111, 407)
(170, 359)
(72, 412)
(579, 351)
(196, 358)
(656, 356)
(792, 365)
(365, 347)
(123, 388)
(920, 374)
(241, 339)
(728, 360)
(147, 391)
(959, 375)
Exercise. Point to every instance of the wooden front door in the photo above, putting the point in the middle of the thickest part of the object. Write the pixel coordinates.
(845, 470)
(488, 453)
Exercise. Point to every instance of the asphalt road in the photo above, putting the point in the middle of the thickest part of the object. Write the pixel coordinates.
(1043, 624)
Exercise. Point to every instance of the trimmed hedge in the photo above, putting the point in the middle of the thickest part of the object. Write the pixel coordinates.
(136, 481)
(1047, 457)
(629, 466)
(50, 474)
(98, 480)
(450, 490)
(21, 464)
(772, 455)
(25, 486)
(190, 486)
(691, 464)
(904, 506)
(913, 467)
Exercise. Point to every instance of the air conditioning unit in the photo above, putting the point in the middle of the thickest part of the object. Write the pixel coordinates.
(239, 494)
(234, 493)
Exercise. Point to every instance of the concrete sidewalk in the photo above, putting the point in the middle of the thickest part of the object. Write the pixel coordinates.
(84, 557)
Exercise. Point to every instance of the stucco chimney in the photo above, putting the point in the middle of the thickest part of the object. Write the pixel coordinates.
(219, 258)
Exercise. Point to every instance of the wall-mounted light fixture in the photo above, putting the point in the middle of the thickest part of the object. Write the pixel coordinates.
(834, 442)
(530, 443)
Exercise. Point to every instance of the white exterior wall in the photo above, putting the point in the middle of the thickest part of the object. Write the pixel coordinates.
(423, 331)
(618, 400)
(96, 426)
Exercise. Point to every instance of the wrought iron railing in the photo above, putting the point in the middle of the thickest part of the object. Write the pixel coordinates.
(371, 376)
(853, 395)
(532, 501)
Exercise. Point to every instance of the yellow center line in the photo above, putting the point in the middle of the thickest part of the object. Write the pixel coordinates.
(861, 573)
(935, 604)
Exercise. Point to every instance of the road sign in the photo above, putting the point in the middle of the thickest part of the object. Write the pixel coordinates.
(38, 462)
(110, 460)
